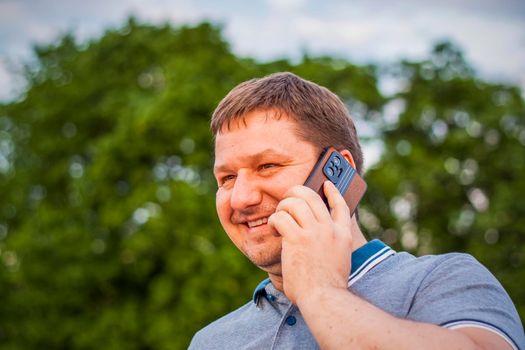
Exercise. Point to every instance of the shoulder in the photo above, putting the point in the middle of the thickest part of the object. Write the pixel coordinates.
(397, 283)
(408, 269)
(458, 291)
(448, 277)
(451, 290)
(458, 275)
(452, 263)
(431, 262)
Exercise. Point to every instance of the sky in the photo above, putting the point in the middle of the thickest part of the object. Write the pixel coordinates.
(490, 32)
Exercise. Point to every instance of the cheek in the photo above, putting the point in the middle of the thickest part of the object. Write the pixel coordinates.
(286, 181)
(222, 204)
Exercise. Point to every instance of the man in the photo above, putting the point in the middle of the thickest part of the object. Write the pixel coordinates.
(328, 287)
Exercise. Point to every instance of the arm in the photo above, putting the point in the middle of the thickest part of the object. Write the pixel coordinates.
(316, 248)
(338, 319)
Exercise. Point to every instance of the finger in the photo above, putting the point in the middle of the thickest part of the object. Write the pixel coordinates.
(299, 210)
(283, 223)
(338, 208)
(314, 201)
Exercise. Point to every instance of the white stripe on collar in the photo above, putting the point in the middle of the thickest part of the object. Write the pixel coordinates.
(370, 263)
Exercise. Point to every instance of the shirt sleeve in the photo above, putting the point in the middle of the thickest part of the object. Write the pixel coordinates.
(460, 292)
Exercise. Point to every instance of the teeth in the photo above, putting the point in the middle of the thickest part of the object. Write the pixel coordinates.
(257, 222)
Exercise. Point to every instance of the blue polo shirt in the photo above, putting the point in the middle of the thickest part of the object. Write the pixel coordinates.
(449, 290)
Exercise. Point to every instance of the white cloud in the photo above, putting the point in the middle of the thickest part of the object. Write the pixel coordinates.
(380, 32)
(286, 6)
(491, 33)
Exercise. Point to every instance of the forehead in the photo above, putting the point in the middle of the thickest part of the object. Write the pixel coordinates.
(255, 119)
(257, 132)
(259, 126)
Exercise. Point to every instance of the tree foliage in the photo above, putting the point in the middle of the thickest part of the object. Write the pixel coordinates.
(108, 231)
(450, 175)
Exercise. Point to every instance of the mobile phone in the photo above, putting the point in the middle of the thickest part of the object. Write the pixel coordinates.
(334, 167)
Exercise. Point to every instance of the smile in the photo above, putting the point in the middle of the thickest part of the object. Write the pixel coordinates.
(257, 222)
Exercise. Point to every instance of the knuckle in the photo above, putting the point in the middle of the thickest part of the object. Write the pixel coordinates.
(292, 191)
(276, 218)
(280, 215)
(301, 191)
(338, 198)
(291, 202)
(286, 203)
(283, 204)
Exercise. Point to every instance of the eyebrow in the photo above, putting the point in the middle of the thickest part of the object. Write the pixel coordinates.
(257, 157)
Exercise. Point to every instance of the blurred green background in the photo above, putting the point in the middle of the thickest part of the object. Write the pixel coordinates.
(108, 232)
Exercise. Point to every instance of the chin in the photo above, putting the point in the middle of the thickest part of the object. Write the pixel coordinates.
(268, 260)
(274, 269)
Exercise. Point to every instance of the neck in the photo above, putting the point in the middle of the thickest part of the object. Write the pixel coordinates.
(358, 240)
(277, 281)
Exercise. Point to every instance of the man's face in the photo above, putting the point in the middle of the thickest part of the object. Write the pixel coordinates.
(255, 164)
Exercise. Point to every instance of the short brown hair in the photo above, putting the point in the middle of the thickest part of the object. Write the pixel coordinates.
(321, 116)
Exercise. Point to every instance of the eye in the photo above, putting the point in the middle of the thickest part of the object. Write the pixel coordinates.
(226, 179)
(267, 166)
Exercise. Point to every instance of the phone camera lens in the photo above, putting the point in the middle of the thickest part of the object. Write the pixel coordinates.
(337, 161)
(330, 171)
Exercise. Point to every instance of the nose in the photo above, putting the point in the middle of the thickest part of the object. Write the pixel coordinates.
(245, 192)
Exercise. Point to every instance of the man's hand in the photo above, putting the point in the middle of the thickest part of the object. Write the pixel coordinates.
(316, 243)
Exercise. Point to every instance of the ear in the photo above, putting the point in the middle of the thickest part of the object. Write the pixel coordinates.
(348, 156)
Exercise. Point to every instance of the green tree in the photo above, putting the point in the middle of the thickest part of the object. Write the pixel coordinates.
(108, 225)
(108, 231)
(450, 175)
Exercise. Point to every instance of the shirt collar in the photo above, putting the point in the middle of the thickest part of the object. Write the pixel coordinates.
(259, 290)
(363, 260)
